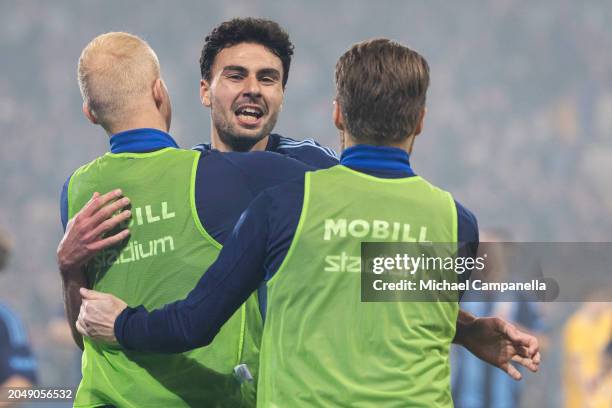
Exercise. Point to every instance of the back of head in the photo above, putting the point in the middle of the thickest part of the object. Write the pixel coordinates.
(5, 249)
(247, 30)
(116, 72)
(381, 87)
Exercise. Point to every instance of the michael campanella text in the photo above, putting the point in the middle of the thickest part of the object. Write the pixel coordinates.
(444, 285)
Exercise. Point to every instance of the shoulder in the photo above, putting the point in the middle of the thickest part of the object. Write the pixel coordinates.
(286, 194)
(289, 144)
(466, 215)
(266, 160)
(88, 165)
(467, 224)
(307, 151)
(256, 165)
(202, 147)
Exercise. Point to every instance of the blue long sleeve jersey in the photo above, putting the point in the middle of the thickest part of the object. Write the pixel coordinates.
(272, 189)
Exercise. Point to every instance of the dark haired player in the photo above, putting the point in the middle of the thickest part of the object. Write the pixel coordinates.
(245, 67)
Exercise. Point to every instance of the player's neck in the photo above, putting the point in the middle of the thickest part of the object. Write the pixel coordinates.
(405, 145)
(217, 143)
(151, 121)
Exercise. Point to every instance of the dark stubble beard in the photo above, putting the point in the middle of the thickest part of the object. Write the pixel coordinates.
(241, 143)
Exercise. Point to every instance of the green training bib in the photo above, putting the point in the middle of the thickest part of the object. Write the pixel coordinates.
(165, 256)
(323, 347)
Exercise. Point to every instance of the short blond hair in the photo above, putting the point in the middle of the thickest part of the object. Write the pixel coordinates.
(115, 70)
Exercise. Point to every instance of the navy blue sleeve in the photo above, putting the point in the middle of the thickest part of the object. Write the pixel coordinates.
(226, 183)
(252, 254)
(64, 203)
(467, 236)
(194, 321)
(467, 231)
(15, 354)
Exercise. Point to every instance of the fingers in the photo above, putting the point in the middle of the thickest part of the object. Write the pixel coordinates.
(110, 223)
(98, 201)
(80, 328)
(537, 358)
(106, 213)
(525, 343)
(526, 362)
(80, 324)
(88, 294)
(109, 241)
(511, 371)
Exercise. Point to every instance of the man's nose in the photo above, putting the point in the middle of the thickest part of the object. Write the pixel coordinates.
(252, 87)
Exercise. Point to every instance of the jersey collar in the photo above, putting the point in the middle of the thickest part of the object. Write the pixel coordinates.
(368, 157)
(140, 141)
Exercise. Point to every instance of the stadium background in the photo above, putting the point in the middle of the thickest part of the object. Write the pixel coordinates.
(518, 126)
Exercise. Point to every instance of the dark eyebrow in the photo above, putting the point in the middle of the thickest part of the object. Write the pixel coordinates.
(269, 72)
(236, 68)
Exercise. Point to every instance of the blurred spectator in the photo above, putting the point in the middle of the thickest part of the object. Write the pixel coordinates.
(476, 384)
(60, 334)
(17, 365)
(587, 376)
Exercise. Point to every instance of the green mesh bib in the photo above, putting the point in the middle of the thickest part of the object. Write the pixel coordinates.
(323, 347)
(165, 256)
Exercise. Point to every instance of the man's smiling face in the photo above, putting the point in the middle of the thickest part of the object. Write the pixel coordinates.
(245, 95)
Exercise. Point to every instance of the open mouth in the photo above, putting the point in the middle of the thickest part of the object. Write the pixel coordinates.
(249, 114)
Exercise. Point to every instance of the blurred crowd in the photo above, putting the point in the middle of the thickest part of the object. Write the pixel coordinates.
(518, 127)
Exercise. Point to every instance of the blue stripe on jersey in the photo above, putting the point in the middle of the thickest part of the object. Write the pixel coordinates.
(287, 143)
(16, 331)
(202, 147)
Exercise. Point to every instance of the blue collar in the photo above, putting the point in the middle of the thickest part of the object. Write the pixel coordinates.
(381, 158)
(140, 141)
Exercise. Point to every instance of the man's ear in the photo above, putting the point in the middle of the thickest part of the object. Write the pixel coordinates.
(89, 114)
(205, 93)
(337, 116)
(159, 92)
(420, 123)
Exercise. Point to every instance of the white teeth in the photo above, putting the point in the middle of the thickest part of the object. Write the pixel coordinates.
(250, 111)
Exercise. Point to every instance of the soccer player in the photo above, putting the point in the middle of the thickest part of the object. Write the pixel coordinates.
(250, 55)
(321, 346)
(181, 213)
(17, 365)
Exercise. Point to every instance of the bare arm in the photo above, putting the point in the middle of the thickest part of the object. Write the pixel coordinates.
(71, 283)
(84, 238)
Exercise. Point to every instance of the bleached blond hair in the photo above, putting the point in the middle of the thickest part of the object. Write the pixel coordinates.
(116, 70)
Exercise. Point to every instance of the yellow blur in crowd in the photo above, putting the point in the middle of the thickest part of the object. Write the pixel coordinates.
(588, 367)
